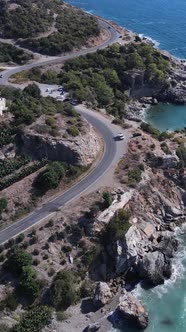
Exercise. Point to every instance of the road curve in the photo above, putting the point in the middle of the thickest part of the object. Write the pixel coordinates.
(113, 37)
(99, 122)
(108, 156)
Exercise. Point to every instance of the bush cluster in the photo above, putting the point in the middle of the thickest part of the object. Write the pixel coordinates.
(25, 21)
(50, 177)
(35, 319)
(19, 264)
(62, 291)
(118, 225)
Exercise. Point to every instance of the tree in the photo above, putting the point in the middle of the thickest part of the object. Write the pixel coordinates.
(33, 90)
(29, 286)
(104, 94)
(135, 61)
(18, 260)
(62, 291)
(111, 77)
(50, 177)
(3, 204)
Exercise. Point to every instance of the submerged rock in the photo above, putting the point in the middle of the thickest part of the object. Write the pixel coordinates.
(131, 309)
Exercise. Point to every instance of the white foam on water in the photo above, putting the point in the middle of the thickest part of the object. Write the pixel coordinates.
(155, 42)
(178, 269)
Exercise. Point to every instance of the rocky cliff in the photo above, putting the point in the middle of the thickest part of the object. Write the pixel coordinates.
(80, 150)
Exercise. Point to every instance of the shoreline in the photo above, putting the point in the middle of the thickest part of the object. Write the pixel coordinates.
(153, 41)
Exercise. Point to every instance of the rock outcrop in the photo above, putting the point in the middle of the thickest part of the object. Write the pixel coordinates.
(93, 327)
(154, 267)
(175, 95)
(120, 201)
(166, 161)
(81, 150)
(102, 294)
(131, 309)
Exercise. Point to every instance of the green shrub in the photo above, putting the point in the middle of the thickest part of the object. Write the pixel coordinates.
(3, 204)
(165, 148)
(66, 249)
(18, 260)
(107, 199)
(86, 289)
(50, 121)
(61, 316)
(90, 255)
(62, 291)
(34, 320)
(134, 176)
(181, 153)
(50, 177)
(73, 131)
(29, 286)
(149, 129)
(20, 238)
(10, 302)
(118, 225)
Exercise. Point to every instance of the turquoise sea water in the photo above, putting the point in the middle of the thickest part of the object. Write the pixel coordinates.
(167, 117)
(165, 22)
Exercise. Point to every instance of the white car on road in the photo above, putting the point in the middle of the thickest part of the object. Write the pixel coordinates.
(120, 136)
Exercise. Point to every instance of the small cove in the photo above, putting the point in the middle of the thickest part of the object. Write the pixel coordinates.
(166, 117)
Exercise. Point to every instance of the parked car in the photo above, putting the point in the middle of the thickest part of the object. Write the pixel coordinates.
(136, 134)
(67, 100)
(73, 102)
(60, 89)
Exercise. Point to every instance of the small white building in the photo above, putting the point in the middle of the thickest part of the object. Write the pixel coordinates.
(2, 105)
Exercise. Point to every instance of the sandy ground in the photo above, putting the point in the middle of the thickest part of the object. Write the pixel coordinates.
(83, 314)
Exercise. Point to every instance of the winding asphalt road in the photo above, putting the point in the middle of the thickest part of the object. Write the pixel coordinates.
(112, 150)
(113, 37)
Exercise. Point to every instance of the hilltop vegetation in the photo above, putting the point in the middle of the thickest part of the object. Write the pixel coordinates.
(10, 53)
(26, 20)
(63, 27)
(101, 78)
(74, 28)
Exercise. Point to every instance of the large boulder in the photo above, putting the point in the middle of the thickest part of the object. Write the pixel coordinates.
(102, 294)
(168, 246)
(131, 309)
(154, 267)
(93, 327)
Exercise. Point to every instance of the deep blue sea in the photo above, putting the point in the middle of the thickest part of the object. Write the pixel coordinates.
(164, 21)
